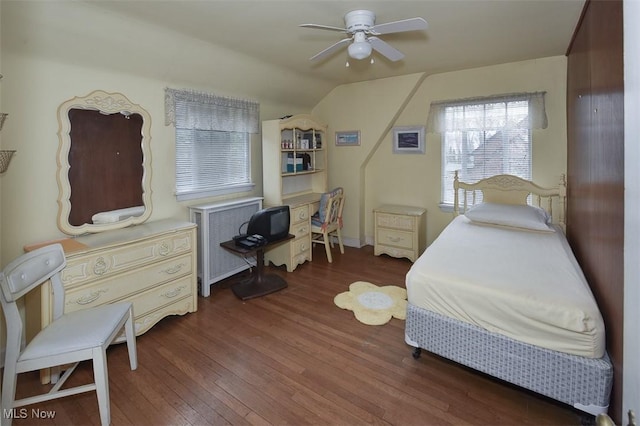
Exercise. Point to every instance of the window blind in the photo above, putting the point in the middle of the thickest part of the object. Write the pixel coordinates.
(485, 137)
(213, 142)
(210, 162)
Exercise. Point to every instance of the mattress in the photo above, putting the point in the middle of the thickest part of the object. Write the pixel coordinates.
(521, 284)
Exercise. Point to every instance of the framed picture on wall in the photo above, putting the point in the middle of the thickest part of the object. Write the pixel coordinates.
(348, 138)
(408, 140)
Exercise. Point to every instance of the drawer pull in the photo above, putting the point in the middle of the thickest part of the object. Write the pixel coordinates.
(89, 298)
(100, 267)
(302, 215)
(164, 249)
(394, 239)
(173, 269)
(173, 293)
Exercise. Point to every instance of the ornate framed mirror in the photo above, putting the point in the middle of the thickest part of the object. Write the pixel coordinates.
(104, 163)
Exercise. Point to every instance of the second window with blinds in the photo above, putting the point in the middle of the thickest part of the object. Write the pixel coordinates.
(213, 143)
(483, 137)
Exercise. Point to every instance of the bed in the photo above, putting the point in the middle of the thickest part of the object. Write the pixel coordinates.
(500, 291)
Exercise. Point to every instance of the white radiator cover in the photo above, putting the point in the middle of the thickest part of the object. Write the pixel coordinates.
(219, 222)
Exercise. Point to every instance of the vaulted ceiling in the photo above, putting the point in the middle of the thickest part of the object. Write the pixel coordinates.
(461, 34)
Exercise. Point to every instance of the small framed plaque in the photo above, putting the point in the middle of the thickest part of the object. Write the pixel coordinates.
(408, 140)
(348, 138)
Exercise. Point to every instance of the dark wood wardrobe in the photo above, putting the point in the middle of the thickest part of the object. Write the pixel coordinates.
(595, 169)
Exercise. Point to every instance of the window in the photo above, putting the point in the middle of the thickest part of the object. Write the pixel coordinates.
(213, 143)
(487, 136)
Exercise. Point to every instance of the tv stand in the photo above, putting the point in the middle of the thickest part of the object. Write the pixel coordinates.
(258, 284)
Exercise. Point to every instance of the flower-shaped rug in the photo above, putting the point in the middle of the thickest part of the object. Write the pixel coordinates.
(373, 305)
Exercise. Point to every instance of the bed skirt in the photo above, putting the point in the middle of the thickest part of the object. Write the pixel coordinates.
(584, 383)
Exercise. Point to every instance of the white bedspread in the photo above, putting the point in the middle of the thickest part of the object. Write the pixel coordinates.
(525, 285)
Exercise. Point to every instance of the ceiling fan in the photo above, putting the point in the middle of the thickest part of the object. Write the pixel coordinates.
(362, 31)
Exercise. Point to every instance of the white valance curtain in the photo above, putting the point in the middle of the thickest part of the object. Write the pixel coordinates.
(204, 111)
(491, 112)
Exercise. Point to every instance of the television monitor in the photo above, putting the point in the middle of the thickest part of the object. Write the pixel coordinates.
(272, 223)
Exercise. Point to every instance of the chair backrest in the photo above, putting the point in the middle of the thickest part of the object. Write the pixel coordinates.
(30, 270)
(331, 205)
(23, 275)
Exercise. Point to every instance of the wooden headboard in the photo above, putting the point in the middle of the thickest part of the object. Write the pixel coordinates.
(509, 189)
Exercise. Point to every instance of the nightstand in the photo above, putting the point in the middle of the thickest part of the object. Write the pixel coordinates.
(400, 231)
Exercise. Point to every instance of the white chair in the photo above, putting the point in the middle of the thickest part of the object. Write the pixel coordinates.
(327, 222)
(69, 339)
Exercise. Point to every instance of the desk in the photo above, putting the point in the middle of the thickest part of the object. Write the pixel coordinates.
(297, 251)
(259, 284)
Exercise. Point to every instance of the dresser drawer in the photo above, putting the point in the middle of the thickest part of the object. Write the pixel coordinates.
(300, 214)
(116, 288)
(144, 322)
(395, 221)
(161, 296)
(392, 237)
(171, 300)
(108, 263)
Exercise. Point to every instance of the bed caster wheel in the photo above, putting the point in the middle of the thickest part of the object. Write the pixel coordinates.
(416, 353)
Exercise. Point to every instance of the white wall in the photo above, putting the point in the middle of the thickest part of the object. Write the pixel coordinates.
(54, 51)
(370, 107)
(373, 175)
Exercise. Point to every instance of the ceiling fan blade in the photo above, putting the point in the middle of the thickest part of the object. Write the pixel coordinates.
(411, 24)
(323, 27)
(329, 50)
(385, 49)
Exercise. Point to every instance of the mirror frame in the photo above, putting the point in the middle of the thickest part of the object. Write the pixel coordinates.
(108, 103)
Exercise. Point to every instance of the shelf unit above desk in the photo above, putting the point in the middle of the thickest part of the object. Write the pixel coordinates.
(294, 155)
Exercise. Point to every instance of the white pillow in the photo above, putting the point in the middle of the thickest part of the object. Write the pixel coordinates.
(514, 216)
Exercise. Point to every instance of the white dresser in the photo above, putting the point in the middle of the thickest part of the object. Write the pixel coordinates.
(152, 265)
(400, 231)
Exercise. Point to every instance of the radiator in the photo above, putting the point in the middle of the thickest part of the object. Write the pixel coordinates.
(217, 223)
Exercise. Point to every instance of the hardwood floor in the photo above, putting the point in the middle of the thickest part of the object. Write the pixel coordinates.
(293, 357)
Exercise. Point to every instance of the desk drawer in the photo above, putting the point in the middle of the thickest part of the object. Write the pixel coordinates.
(300, 229)
(300, 214)
(300, 245)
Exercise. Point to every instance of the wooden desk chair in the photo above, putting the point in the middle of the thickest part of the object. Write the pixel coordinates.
(327, 222)
(69, 339)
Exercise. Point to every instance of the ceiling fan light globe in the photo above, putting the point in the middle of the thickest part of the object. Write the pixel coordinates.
(360, 50)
